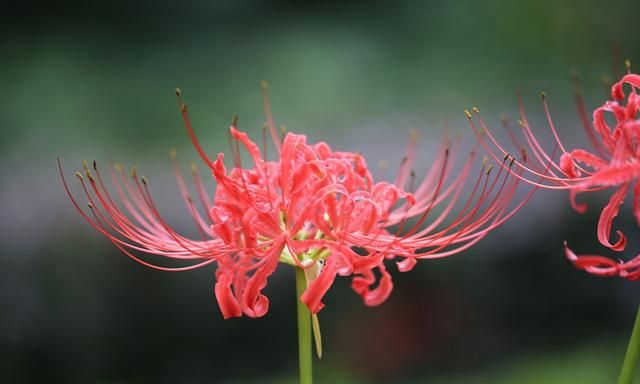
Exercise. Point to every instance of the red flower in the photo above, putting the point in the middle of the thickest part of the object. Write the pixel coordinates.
(614, 162)
(312, 208)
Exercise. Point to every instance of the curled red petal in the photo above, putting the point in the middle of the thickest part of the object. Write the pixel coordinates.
(254, 303)
(579, 207)
(372, 297)
(568, 166)
(606, 218)
(594, 264)
(407, 264)
(252, 148)
(312, 296)
(616, 90)
(615, 175)
(587, 158)
(633, 274)
(226, 300)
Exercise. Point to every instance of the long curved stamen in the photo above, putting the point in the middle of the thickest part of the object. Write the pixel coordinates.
(563, 182)
(264, 86)
(190, 131)
(584, 119)
(205, 201)
(97, 223)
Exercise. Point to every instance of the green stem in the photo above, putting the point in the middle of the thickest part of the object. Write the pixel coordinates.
(304, 331)
(633, 353)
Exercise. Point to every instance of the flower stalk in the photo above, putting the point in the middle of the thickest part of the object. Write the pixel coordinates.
(633, 353)
(304, 331)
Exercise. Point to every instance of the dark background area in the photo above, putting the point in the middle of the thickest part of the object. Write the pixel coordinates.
(95, 80)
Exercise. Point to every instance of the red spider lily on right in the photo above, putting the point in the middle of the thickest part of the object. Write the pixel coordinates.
(613, 162)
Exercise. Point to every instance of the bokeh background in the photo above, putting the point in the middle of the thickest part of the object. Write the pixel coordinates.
(94, 80)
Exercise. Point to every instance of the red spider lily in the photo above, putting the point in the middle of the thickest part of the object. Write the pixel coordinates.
(312, 208)
(612, 163)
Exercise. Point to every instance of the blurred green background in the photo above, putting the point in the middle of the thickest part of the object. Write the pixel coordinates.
(95, 80)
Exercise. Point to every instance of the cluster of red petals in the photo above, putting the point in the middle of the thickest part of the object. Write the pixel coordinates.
(612, 163)
(308, 204)
(312, 208)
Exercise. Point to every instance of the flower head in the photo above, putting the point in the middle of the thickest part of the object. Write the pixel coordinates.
(612, 163)
(312, 208)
